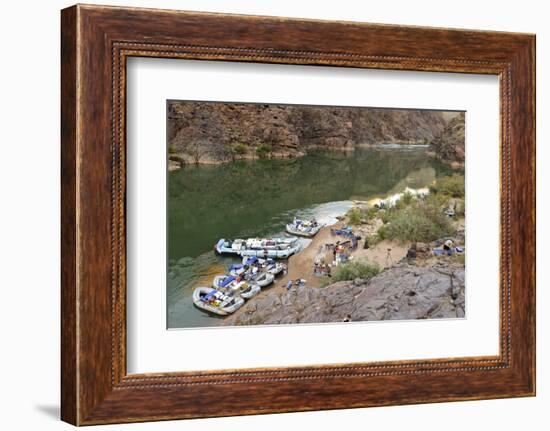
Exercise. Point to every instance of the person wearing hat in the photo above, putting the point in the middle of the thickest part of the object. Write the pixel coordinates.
(448, 245)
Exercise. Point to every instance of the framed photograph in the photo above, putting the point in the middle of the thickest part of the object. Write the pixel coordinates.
(322, 214)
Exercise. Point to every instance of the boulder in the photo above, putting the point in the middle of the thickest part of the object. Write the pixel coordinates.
(402, 292)
(418, 250)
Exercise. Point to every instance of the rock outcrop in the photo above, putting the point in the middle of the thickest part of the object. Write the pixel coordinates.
(203, 132)
(402, 292)
(449, 145)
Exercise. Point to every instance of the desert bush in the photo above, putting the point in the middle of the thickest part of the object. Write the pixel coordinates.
(352, 270)
(460, 208)
(263, 150)
(373, 239)
(407, 198)
(239, 149)
(369, 213)
(452, 186)
(386, 214)
(420, 222)
(354, 216)
(436, 200)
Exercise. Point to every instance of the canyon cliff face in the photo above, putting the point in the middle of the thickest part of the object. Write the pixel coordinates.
(449, 145)
(208, 132)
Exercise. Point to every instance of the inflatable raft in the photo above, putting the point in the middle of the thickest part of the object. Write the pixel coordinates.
(273, 254)
(236, 269)
(276, 248)
(262, 279)
(275, 268)
(214, 301)
(269, 265)
(240, 287)
(307, 228)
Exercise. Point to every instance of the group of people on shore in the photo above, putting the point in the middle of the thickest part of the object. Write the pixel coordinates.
(341, 251)
(321, 268)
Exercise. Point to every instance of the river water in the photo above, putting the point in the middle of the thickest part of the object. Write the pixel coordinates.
(257, 198)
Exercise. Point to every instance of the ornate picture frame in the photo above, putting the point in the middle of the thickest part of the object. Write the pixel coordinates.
(96, 41)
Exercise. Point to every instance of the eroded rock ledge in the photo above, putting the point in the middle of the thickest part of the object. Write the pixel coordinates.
(402, 292)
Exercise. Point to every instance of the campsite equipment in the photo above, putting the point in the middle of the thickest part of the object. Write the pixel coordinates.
(345, 231)
(441, 251)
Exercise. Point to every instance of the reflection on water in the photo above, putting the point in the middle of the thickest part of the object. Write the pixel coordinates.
(257, 198)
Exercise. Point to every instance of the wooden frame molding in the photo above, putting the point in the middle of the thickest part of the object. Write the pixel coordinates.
(96, 42)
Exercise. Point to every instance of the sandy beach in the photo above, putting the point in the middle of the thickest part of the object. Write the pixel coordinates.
(300, 265)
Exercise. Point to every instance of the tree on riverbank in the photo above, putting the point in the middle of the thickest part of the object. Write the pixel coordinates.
(238, 149)
(197, 149)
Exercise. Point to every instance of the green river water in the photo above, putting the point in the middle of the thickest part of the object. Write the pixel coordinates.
(257, 198)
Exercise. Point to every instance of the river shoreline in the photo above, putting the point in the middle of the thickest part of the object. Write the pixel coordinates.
(179, 160)
(300, 265)
(414, 282)
(258, 199)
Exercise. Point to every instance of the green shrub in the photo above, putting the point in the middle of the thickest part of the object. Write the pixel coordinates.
(172, 149)
(436, 200)
(420, 222)
(263, 150)
(350, 271)
(354, 216)
(239, 149)
(370, 213)
(460, 208)
(399, 205)
(407, 198)
(373, 239)
(354, 269)
(385, 214)
(452, 186)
